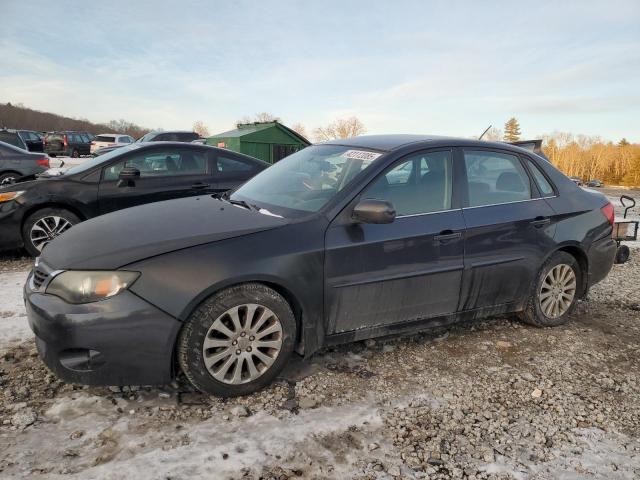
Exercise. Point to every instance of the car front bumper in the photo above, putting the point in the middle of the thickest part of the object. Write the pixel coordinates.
(123, 340)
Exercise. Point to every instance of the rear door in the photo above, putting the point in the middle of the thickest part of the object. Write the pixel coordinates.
(378, 275)
(165, 173)
(508, 229)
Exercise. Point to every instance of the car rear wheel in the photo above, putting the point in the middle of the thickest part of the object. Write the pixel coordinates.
(44, 225)
(75, 153)
(237, 341)
(8, 178)
(556, 291)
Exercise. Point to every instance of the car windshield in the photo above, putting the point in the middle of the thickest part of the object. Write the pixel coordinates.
(95, 161)
(305, 181)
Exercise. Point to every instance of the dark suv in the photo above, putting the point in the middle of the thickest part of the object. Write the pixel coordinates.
(25, 139)
(67, 144)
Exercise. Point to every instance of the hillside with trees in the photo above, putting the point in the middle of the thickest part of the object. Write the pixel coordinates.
(18, 116)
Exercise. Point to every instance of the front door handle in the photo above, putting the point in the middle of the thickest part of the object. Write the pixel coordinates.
(447, 235)
(200, 186)
(540, 222)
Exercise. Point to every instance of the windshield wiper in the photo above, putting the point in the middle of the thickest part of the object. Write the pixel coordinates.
(242, 203)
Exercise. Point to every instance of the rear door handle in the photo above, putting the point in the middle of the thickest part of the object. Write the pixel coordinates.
(200, 186)
(541, 222)
(447, 235)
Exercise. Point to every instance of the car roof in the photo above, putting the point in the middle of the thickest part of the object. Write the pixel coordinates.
(392, 142)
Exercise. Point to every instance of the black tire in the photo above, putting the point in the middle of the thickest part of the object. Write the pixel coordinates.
(31, 248)
(75, 153)
(532, 313)
(192, 336)
(8, 178)
(622, 254)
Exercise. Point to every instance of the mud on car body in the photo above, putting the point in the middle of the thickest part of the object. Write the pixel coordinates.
(339, 242)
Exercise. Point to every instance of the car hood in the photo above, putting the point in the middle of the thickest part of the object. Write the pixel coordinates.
(114, 240)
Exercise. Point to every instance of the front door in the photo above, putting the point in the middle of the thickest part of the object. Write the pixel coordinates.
(410, 269)
(165, 173)
(506, 221)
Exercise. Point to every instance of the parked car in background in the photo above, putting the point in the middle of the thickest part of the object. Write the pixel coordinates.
(131, 175)
(320, 249)
(110, 140)
(595, 183)
(67, 144)
(171, 136)
(25, 139)
(16, 163)
(576, 180)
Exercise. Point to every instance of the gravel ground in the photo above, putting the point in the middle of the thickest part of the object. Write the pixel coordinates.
(492, 399)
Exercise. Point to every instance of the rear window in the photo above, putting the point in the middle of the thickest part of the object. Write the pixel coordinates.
(55, 136)
(104, 138)
(11, 139)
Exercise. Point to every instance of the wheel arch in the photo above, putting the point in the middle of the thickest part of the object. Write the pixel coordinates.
(577, 252)
(53, 204)
(274, 283)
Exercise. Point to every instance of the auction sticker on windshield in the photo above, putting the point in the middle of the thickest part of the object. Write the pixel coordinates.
(361, 155)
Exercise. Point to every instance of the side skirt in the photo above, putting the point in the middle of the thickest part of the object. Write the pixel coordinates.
(414, 326)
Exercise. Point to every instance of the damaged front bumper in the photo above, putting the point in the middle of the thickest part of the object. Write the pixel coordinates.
(122, 340)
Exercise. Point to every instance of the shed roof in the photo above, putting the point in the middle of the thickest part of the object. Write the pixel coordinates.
(249, 128)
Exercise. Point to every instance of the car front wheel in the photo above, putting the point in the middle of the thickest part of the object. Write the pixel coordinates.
(237, 341)
(44, 225)
(556, 291)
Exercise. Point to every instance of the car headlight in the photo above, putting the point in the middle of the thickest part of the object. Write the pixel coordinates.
(86, 286)
(7, 196)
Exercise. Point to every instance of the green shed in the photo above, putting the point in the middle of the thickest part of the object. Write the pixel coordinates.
(268, 141)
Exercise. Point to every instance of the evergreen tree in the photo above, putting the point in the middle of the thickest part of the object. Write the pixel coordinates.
(512, 130)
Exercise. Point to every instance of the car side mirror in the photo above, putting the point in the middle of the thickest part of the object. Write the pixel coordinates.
(374, 211)
(128, 176)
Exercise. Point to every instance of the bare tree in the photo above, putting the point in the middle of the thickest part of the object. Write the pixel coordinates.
(340, 128)
(300, 128)
(261, 117)
(200, 128)
(493, 135)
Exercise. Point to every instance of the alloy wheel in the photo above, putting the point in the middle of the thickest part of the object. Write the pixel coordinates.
(46, 229)
(242, 343)
(557, 291)
(8, 180)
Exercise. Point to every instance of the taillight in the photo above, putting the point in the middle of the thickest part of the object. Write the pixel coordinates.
(609, 213)
(43, 162)
(64, 140)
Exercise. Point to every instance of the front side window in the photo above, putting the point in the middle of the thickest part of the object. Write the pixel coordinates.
(495, 178)
(307, 180)
(420, 184)
(161, 163)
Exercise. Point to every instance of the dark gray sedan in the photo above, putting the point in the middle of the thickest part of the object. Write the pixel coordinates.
(16, 163)
(338, 242)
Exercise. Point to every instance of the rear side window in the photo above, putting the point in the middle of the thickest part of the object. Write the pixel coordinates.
(233, 165)
(11, 139)
(495, 178)
(125, 139)
(543, 184)
(104, 138)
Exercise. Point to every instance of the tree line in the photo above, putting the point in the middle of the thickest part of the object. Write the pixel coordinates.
(20, 117)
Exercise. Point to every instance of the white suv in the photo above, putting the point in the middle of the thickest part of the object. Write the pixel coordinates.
(110, 140)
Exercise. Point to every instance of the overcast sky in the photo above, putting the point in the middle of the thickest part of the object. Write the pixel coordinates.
(449, 68)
